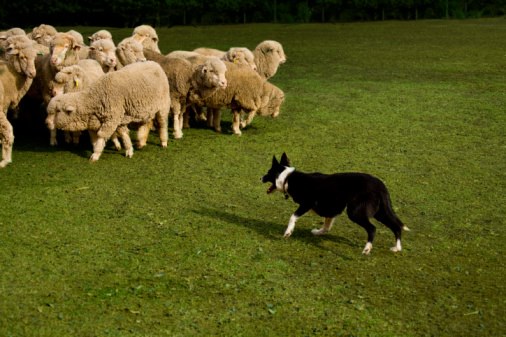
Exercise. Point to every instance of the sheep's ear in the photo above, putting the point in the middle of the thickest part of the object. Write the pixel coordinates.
(284, 160)
(76, 81)
(11, 50)
(204, 69)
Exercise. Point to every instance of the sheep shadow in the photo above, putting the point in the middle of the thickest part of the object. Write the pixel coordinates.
(274, 230)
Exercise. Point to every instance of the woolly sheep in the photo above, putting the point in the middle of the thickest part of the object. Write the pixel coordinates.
(247, 92)
(146, 35)
(137, 93)
(3, 38)
(239, 55)
(104, 51)
(129, 51)
(16, 76)
(187, 80)
(43, 34)
(100, 35)
(84, 51)
(63, 52)
(269, 55)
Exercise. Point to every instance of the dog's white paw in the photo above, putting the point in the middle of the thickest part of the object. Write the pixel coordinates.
(287, 234)
(367, 248)
(397, 247)
(321, 231)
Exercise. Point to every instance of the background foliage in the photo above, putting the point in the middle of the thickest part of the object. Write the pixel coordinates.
(130, 13)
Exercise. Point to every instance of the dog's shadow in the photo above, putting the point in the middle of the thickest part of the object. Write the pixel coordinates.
(274, 230)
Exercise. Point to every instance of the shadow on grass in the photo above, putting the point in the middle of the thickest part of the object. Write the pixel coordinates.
(274, 230)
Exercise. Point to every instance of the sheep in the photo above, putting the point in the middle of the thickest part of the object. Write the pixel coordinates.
(146, 35)
(246, 91)
(16, 77)
(84, 51)
(269, 55)
(182, 54)
(43, 34)
(129, 51)
(104, 51)
(3, 38)
(197, 81)
(100, 35)
(137, 93)
(239, 55)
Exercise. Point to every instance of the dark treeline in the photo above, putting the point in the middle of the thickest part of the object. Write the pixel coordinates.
(159, 13)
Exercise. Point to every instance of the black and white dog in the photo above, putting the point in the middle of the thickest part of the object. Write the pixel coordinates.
(364, 196)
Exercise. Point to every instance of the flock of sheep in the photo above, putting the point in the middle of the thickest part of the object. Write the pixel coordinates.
(108, 89)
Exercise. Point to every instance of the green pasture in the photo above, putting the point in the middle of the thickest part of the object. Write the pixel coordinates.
(184, 241)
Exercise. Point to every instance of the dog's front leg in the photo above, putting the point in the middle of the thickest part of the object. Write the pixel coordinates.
(293, 219)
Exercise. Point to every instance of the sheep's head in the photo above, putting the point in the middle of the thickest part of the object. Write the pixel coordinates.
(212, 73)
(269, 55)
(43, 34)
(21, 54)
(146, 35)
(64, 47)
(69, 79)
(104, 52)
(62, 113)
(130, 51)
(272, 100)
(100, 35)
(240, 55)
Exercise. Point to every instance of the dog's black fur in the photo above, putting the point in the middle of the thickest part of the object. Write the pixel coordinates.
(363, 195)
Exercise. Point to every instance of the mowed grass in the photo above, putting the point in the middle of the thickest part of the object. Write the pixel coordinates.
(184, 241)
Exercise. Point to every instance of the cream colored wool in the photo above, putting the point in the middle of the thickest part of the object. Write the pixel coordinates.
(43, 34)
(146, 35)
(137, 93)
(269, 55)
(104, 52)
(16, 76)
(196, 81)
(129, 51)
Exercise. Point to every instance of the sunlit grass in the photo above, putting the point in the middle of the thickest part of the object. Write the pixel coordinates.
(184, 241)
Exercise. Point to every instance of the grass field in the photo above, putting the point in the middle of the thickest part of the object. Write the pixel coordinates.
(184, 241)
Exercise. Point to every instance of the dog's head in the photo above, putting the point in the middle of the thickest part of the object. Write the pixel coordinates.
(275, 171)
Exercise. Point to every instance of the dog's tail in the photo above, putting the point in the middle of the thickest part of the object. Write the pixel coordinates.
(388, 211)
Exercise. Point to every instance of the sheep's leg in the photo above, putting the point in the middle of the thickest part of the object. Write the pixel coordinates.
(248, 120)
(93, 137)
(163, 128)
(52, 137)
(236, 121)
(127, 142)
(143, 134)
(7, 140)
(186, 117)
(98, 148)
(68, 137)
(217, 119)
(209, 117)
(115, 140)
(75, 137)
(176, 112)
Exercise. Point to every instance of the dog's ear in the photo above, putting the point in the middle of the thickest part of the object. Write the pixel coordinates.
(284, 160)
(274, 161)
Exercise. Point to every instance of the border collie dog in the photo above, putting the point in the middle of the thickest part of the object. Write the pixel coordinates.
(364, 196)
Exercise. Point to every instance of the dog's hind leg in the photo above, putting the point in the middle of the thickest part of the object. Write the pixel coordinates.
(327, 225)
(359, 216)
(386, 216)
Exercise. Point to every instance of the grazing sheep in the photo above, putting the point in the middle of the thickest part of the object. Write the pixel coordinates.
(182, 54)
(269, 55)
(16, 76)
(137, 93)
(246, 92)
(129, 51)
(100, 35)
(104, 51)
(146, 35)
(43, 34)
(187, 80)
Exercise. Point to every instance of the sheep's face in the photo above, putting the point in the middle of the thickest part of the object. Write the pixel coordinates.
(43, 34)
(213, 73)
(241, 56)
(69, 79)
(130, 52)
(21, 55)
(62, 45)
(63, 114)
(146, 35)
(104, 52)
(272, 101)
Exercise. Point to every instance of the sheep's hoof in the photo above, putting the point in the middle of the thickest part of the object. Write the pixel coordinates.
(94, 157)
(129, 153)
(164, 144)
(4, 163)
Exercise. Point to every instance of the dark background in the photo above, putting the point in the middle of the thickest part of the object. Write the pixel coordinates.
(166, 13)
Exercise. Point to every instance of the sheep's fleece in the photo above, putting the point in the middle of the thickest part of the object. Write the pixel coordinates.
(137, 93)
